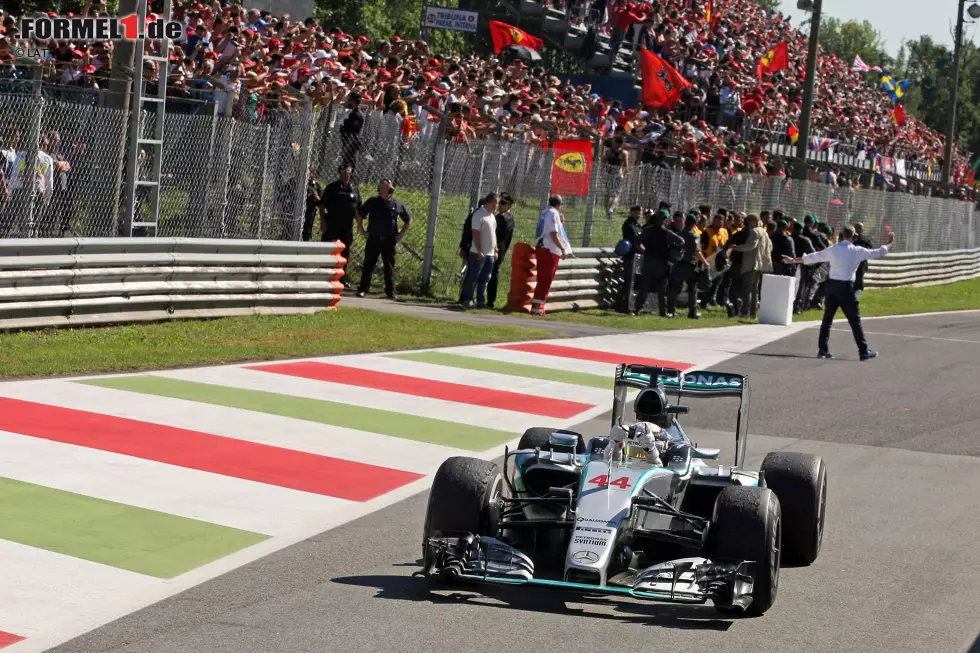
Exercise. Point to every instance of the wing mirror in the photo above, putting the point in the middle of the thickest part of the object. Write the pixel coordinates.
(678, 410)
(705, 454)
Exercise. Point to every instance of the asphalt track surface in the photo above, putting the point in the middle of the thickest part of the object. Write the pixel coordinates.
(898, 571)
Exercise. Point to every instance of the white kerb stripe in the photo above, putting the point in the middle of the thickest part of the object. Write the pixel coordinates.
(504, 420)
(43, 591)
(489, 380)
(234, 502)
(286, 432)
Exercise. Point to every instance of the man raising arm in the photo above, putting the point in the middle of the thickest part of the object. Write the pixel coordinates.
(844, 259)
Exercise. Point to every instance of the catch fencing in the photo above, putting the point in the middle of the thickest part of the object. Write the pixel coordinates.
(244, 175)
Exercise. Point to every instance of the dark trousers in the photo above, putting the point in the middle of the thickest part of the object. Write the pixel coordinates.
(733, 284)
(626, 290)
(655, 275)
(682, 276)
(840, 294)
(345, 235)
(495, 277)
(751, 280)
(384, 247)
(309, 215)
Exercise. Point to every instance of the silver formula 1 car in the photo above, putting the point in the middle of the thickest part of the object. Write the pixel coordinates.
(642, 512)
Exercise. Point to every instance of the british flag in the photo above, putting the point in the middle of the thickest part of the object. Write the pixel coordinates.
(859, 66)
(818, 144)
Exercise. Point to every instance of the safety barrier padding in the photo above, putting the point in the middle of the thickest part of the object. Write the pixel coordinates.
(523, 278)
(83, 281)
(923, 268)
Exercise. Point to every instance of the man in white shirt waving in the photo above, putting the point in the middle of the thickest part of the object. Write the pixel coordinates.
(483, 251)
(844, 259)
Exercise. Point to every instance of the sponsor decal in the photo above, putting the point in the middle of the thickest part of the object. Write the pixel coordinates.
(589, 540)
(705, 380)
(585, 557)
(594, 521)
(592, 530)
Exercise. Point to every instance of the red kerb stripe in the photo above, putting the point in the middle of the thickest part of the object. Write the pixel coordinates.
(410, 385)
(217, 454)
(6, 639)
(561, 351)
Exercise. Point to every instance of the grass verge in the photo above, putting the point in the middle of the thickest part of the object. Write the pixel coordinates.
(211, 342)
(959, 296)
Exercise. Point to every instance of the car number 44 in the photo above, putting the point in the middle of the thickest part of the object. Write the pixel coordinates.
(622, 482)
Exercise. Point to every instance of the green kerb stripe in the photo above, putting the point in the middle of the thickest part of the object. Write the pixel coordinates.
(136, 539)
(374, 420)
(511, 369)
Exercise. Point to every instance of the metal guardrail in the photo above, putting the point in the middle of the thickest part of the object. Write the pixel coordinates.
(590, 279)
(923, 268)
(84, 281)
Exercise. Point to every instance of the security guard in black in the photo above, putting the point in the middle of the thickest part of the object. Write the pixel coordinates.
(339, 202)
(382, 213)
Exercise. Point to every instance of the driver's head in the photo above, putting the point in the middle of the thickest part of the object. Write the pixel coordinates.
(650, 405)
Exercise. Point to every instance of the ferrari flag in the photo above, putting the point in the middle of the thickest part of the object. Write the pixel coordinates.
(572, 168)
(662, 85)
(504, 35)
(775, 59)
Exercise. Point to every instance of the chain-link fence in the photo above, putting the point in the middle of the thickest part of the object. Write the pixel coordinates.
(221, 177)
(228, 177)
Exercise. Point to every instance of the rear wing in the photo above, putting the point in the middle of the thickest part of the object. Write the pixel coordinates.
(694, 383)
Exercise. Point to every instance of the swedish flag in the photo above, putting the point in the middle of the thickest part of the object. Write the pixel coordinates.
(895, 90)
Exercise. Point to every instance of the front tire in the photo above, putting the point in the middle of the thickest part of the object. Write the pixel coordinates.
(462, 500)
(746, 526)
(800, 482)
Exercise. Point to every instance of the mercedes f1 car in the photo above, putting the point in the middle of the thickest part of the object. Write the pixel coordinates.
(642, 512)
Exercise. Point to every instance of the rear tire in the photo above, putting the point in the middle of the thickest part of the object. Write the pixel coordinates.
(460, 499)
(746, 526)
(539, 437)
(800, 482)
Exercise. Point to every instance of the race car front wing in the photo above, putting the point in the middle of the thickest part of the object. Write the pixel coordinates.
(689, 580)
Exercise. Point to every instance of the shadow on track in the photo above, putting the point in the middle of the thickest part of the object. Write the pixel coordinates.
(532, 599)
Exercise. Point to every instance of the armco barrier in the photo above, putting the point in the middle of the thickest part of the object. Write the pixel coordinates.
(81, 281)
(591, 278)
(923, 268)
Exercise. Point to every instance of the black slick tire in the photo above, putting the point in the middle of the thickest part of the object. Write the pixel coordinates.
(800, 482)
(460, 500)
(746, 526)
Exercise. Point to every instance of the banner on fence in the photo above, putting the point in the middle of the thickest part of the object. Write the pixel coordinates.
(573, 167)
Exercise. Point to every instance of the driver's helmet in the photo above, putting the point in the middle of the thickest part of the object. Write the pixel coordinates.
(651, 405)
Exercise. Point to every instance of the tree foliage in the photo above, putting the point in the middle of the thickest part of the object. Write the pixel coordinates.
(382, 19)
(848, 38)
(930, 69)
(769, 5)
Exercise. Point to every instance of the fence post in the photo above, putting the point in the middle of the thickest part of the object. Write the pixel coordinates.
(33, 138)
(264, 181)
(302, 174)
(593, 194)
(438, 164)
(476, 188)
(549, 164)
(225, 178)
(204, 209)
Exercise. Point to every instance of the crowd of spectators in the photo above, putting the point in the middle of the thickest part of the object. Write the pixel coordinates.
(264, 63)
